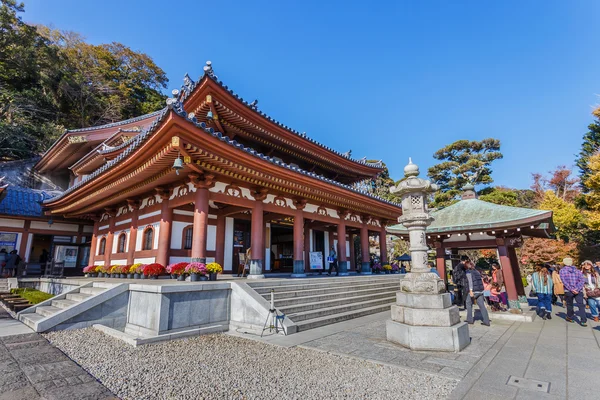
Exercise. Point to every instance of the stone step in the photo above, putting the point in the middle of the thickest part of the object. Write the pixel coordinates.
(47, 310)
(104, 285)
(78, 296)
(345, 316)
(92, 290)
(333, 303)
(321, 312)
(332, 296)
(63, 303)
(330, 290)
(30, 319)
(272, 283)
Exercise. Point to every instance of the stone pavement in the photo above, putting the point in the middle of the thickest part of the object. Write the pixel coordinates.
(10, 326)
(505, 361)
(30, 368)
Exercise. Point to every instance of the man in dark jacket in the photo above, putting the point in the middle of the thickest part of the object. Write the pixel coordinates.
(458, 277)
(474, 283)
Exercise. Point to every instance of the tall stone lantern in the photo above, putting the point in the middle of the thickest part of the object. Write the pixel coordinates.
(423, 317)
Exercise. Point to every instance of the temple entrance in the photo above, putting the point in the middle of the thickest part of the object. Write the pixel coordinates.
(319, 246)
(282, 248)
(241, 242)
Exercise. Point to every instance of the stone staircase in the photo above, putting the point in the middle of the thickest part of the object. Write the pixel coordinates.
(61, 304)
(4, 285)
(311, 303)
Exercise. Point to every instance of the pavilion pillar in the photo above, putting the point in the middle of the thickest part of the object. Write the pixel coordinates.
(383, 256)
(307, 248)
(258, 237)
(352, 253)
(220, 244)
(298, 271)
(200, 228)
(514, 262)
(365, 266)
(341, 233)
(164, 234)
(133, 228)
(110, 236)
(94, 244)
(507, 272)
(440, 260)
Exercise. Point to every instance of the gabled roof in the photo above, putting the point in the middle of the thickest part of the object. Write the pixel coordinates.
(22, 202)
(478, 215)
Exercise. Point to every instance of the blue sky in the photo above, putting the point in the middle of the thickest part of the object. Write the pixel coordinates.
(387, 79)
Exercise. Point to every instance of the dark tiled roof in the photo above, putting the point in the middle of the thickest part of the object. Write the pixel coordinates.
(119, 123)
(23, 202)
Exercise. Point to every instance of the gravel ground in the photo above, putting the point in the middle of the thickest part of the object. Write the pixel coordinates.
(226, 367)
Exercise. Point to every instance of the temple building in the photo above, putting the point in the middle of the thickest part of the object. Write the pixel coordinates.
(208, 177)
(472, 224)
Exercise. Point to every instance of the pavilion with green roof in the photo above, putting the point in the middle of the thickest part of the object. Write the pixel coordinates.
(476, 224)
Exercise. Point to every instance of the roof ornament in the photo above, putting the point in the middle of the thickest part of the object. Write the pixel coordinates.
(188, 83)
(208, 70)
(174, 104)
(348, 154)
(363, 160)
(254, 105)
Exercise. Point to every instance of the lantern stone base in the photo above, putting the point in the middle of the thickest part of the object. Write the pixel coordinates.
(427, 322)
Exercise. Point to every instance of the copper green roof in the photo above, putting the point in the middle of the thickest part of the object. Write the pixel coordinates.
(474, 214)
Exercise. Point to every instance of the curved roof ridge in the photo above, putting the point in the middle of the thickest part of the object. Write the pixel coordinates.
(118, 123)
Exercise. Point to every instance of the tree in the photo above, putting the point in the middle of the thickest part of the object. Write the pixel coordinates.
(537, 251)
(590, 145)
(566, 216)
(462, 162)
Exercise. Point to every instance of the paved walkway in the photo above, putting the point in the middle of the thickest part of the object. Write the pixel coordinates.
(563, 358)
(30, 368)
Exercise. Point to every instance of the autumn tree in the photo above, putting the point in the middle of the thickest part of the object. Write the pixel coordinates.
(590, 146)
(538, 251)
(567, 218)
(462, 162)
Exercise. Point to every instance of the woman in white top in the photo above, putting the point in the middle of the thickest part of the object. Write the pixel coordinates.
(591, 288)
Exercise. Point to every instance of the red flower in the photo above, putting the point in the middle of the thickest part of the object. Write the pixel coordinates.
(154, 269)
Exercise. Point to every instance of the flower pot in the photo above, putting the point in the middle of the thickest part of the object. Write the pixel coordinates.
(123, 276)
(377, 271)
(93, 275)
(142, 276)
(181, 277)
(173, 276)
(203, 277)
(129, 276)
(212, 277)
(136, 276)
(387, 272)
(153, 277)
(87, 275)
(194, 277)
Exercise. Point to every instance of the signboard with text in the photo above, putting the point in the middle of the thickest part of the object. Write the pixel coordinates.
(316, 260)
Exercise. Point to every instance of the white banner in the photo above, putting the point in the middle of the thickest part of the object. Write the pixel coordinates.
(316, 260)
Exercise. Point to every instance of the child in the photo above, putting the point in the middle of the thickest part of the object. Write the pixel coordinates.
(495, 298)
(487, 287)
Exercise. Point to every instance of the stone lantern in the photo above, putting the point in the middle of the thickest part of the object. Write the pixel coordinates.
(423, 317)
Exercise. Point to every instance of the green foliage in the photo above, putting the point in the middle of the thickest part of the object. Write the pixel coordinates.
(32, 295)
(382, 183)
(590, 145)
(566, 216)
(508, 197)
(50, 80)
(462, 162)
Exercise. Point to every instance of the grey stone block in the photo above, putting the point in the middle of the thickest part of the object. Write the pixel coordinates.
(431, 317)
(414, 300)
(451, 338)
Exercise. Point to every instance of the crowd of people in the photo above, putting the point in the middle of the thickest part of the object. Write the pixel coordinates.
(9, 262)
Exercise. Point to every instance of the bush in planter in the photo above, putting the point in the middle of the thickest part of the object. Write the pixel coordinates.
(105, 270)
(131, 271)
(387, 268)
(213, 269)
(114, 271)
(139, 270)
(196, 270)
(123, 270)
(90, 270)
(177, 269)
(153, 270)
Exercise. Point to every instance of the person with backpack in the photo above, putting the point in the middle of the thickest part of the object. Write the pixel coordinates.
(474, 283)
(543, 285)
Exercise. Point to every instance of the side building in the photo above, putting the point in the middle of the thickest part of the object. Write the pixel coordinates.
(210, 176)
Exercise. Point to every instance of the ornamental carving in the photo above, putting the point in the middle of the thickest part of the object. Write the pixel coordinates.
(233, 190)
(280, 201)
(77, 139)
(182, 191)
(515, 241)
(124, 210)
(353, 218)
(322, 211)
(151, 201)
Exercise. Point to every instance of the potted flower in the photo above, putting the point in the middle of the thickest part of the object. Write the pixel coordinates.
(395, 268)
(177, 270)
(140, 270)
(123, 270)
(153, 270)
(130, 271)
(98, 270)
(197, 271)
(213, 269)
(387, 268)
(90, 271)
(114, 271)
(104, 270)
(377, 268)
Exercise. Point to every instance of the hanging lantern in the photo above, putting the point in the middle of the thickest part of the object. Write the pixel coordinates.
(178, 164)
(209, 115)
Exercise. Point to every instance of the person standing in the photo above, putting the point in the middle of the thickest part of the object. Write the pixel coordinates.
(332, 260)
(573, 281)
(474, 284)
(591, 288)
(498, 277)
(12, 263)
(559, 288)
(458, 277)
(3, 260)
(543, 285)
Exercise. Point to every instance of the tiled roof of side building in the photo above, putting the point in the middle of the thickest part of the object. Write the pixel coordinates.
(177, 106)
(189, 85)
(23, 202)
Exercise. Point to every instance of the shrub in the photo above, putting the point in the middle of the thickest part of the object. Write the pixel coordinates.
(32, 295)
(154, 269)
(177, 268)
(196, 268)
(214, 268)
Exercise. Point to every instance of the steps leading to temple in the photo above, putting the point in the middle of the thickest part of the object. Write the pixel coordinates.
(4, 285)
(66, 306)
(311, 303)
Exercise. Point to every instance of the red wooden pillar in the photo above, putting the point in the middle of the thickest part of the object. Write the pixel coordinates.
(200, 229)
(164, 234)
(94, 242)
(440, 260)
(509, 278)
(383, 254)
(341, 233)
(365, 267)
(220, 244)
(109, 236)
(514, 262)
(298, 271)
(352, 253)
(307, 248)
(133, 227)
